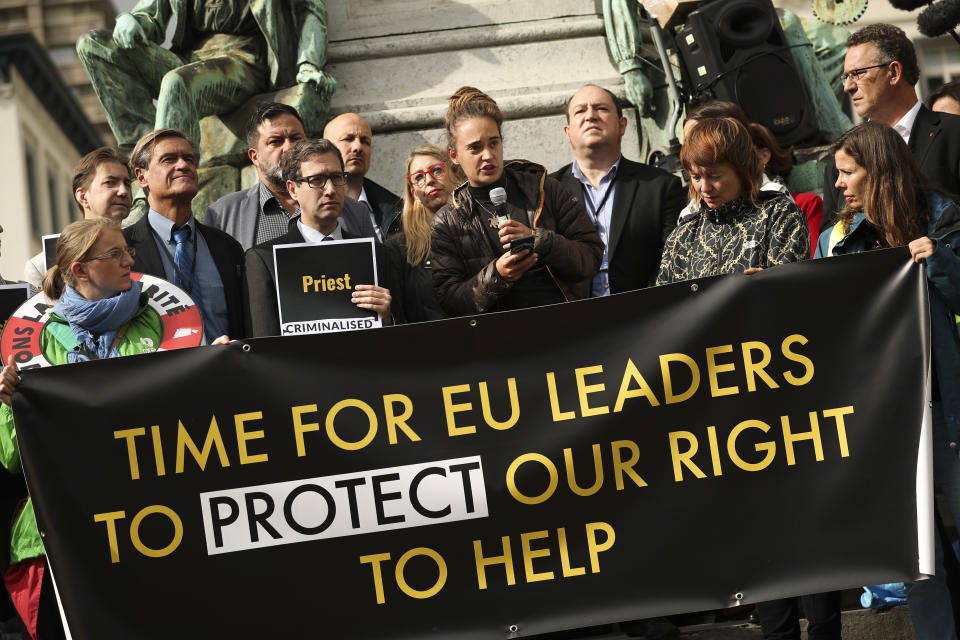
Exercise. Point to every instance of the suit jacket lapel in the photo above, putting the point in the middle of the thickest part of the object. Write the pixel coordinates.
(220, 258)
(251, 221)
(622, 198)
(926, 128)
(568, 180)
(148, 256)
(293, 236)
(381, 201)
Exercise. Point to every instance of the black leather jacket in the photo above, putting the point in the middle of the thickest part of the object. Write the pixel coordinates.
(465, 275)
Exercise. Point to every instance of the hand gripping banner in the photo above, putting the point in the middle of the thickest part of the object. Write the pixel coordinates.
(689, 447)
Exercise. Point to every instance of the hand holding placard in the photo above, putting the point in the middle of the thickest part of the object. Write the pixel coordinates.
(370, 296)
(317, 290)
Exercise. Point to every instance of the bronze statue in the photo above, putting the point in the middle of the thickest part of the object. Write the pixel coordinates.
(624, 40)
(223, 53)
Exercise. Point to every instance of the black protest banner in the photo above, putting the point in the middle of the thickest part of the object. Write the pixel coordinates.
(315, 283)
(11, 297)
(674, 449)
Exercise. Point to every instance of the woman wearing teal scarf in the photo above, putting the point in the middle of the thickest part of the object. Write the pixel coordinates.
(96, 322)
(100, 313)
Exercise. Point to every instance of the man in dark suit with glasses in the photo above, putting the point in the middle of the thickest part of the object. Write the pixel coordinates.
(315, 178)
(880, 72)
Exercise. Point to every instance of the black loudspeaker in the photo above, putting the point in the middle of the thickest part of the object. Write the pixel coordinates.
(735, 50)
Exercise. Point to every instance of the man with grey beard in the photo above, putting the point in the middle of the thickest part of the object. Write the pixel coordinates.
(264, 211)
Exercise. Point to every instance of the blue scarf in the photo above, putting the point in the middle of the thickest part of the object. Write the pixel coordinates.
(95, 323)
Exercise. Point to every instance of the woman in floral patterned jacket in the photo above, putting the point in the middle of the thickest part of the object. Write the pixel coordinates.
(737, 228)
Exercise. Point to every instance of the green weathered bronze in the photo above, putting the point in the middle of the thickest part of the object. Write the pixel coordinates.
(839, 12)
(830, 46)
(223, 53)
(624, 41)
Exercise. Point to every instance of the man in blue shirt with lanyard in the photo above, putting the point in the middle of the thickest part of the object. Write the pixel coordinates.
(171, 244)
(634, 206)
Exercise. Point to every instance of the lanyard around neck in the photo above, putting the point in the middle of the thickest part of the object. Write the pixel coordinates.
(594, 211)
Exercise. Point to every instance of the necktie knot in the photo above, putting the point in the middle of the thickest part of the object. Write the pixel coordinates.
(181, 234)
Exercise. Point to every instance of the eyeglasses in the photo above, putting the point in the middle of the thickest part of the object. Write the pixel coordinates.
(319, 180)
(436, 171)
(114, 254)
(856, 74)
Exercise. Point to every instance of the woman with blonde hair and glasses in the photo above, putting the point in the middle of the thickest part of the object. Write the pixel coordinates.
(100, 313)
(430, 181)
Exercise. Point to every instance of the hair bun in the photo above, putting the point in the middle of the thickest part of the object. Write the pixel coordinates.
(470, 102)
(463, 95)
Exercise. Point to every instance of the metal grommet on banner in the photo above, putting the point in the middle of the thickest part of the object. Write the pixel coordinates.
(245, 347)
(694, 287)
(473, 323)
(739, 598)
(512, 628)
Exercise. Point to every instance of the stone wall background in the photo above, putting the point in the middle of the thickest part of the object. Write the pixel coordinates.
(397, 61)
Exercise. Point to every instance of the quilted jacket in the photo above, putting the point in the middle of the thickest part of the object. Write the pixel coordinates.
(735, 236)
(465, 275)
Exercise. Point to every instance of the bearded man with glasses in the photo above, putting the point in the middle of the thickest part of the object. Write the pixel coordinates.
(315, 178)
(880, 72)
(263, 212)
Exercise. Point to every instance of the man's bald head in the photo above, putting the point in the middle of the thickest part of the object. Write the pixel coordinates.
(353, 136)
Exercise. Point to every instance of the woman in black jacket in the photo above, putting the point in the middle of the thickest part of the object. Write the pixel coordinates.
(479, 264)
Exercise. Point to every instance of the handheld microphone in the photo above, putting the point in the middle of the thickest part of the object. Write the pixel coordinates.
(498, 196)
(939, 18)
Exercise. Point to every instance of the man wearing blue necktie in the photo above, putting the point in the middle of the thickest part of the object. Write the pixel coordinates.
(171, 244)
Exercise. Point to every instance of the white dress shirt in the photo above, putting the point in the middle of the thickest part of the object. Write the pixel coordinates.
(905, 125)
(312, 236)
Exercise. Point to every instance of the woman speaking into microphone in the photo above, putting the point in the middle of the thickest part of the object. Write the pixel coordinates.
(511, 237)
